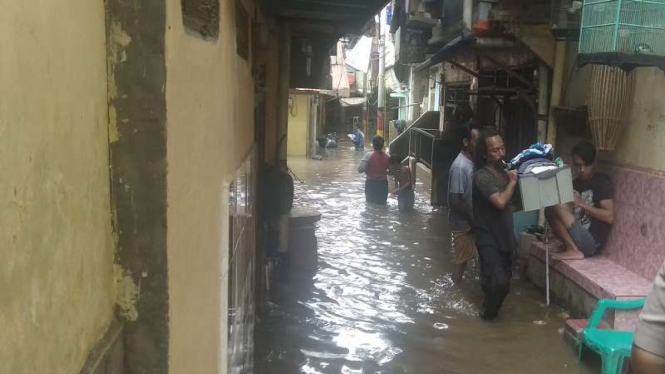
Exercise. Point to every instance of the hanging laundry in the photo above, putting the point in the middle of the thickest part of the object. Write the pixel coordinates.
(538, 150)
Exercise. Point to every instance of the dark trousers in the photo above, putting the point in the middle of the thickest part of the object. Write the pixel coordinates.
(376, 191)
(495, 274)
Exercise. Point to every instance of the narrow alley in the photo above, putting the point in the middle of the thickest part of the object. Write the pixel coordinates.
(382, 300)
(153, 153)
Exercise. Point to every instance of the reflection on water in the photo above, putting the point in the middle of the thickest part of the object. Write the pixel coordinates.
(382, 300)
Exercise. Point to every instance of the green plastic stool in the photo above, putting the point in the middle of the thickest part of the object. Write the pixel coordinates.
(612, 346)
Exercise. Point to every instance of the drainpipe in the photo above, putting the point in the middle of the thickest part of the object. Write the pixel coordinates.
(283, 93)
(548, 131)
(557, 84)
(413, 99)
(467, 16)
(381, 104)
(283, 120)
(366, 105)
(314, 124)
(543, 105)
(543, 96)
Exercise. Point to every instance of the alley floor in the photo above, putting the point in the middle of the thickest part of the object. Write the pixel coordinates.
(382, 300)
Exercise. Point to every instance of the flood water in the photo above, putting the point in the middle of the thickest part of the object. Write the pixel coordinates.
(382, 300)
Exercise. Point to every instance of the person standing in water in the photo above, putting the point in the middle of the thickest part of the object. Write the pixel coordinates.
(403, 184)
(460, 215)
(493, 190)
(375, 166)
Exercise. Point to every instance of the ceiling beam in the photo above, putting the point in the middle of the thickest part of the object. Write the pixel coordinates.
(344, 4)
(299, 25)
(463, 68)
(508, 70)
(317, 16)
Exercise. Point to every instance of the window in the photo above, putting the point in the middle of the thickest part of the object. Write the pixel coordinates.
(201, 17)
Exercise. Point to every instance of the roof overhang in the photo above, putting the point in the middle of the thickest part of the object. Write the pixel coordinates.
(463, 43)
(333, 18)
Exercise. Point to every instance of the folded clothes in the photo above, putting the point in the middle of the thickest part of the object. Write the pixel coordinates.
(528, 166)
(541, 169)
(537, 150)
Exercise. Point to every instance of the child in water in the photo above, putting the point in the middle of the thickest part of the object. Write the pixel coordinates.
(403, 184)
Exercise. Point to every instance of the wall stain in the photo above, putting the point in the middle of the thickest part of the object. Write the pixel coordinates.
(126, 293)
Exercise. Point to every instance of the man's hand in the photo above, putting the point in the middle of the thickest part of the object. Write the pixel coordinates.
(579, 202)
(512, 176)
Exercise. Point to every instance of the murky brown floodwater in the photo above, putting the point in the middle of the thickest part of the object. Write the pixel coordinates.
(382, 300)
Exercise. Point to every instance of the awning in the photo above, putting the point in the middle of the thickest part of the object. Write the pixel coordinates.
(463, 42)
(453, 48)
(352, 101)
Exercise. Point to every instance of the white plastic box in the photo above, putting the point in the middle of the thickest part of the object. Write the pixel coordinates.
(547, 189)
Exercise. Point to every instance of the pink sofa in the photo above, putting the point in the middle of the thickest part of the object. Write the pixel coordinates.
(635, 250)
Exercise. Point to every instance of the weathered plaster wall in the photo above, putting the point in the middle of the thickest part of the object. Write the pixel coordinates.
(137, 140)
(210, 127)
(57, 245)
(298, 125)
(643, 142)
(271, 56)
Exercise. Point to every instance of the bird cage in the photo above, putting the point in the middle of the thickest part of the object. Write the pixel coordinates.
(566, 19)
(624, 33)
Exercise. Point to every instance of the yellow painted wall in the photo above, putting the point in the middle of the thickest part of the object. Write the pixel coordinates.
(57, 245)
(210, 126)
(298, 126)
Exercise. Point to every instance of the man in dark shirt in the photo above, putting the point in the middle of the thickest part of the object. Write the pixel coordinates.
(584, 225)
(493, 190)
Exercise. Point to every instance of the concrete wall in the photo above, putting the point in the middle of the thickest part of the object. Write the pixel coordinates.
(210, 127)
(270, 58)
(137, 141)
(641, 145)
(299, 118)
(643, 140)
(56, 271)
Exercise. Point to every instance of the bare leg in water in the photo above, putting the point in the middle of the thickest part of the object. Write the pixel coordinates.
(561, 217)
(458, 272)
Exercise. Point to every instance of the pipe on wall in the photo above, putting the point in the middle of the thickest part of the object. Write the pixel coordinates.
(283, 93)
(468, 14)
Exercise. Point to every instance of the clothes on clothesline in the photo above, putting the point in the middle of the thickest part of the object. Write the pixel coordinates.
(537, 150)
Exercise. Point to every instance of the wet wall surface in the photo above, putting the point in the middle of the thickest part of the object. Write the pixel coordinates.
(382, 300)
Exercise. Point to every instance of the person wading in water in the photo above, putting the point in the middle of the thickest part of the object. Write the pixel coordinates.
(493, 189)
(460, 201)
(375, 166)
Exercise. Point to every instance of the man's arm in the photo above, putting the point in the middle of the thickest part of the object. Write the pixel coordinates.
(502, 199)
(461, 207)
(363, 163)
(603, 214)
